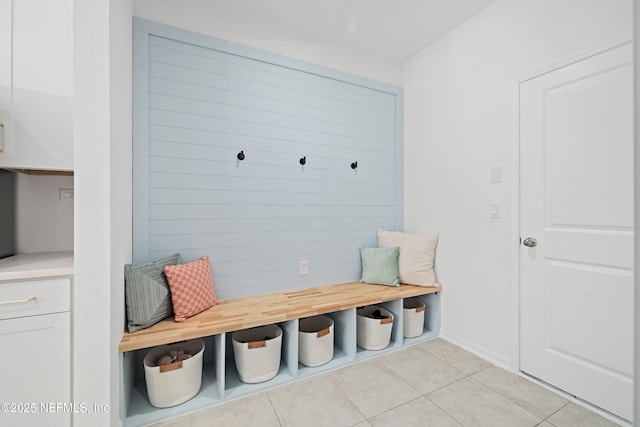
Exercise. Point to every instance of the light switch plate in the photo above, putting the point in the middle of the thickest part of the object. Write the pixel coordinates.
(495, 174)
(495, 210)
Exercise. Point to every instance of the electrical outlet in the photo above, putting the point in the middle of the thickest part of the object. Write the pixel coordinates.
(66, 194)
(304, 268)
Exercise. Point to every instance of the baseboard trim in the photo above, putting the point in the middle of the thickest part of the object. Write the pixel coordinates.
(482, 352)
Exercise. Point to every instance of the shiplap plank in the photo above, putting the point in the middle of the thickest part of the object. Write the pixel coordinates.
(261, 238)
(257, 218)
(266, 184)
(211, 107)
(199, 211)
(248, 126)
(171, 140)
(258, 253)
(249, 225)
(253, 198)
(284, 263)
(264, 156)
(365, 174)
(285, 119)
(245, 69)
(298, 107)
(166, 76)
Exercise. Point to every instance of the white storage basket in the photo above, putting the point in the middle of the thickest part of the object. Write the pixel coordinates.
(177, 382)
(374, 334)
(257, 353)
(315, 340)
(413, 318)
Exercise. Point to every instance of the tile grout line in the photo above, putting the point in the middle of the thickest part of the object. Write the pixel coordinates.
(396, 407)
(348, 398)
(445, 386)
(555, 412)
(442, 359)
(469, 376)
(499, 393)
(452, 382)
(390, 371)
(423, 395)
(443, 410)
(466, 375)
(275, 411)
(543, 419)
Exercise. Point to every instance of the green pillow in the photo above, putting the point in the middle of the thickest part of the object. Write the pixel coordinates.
(147, 294)
(380, 266)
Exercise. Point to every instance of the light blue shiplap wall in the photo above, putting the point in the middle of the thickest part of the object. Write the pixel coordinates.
(198, 101)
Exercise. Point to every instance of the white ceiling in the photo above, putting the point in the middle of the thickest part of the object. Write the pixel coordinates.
(392, 29)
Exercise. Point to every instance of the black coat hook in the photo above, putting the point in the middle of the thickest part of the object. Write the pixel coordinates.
(354, 165)
(303, 160)
(241, 155)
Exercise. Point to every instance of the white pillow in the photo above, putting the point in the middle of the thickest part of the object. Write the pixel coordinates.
(417, 252)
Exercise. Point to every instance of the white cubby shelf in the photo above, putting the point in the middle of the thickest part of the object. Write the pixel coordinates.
(220, 379)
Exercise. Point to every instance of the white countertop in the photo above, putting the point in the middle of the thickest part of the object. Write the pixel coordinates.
(36, 265)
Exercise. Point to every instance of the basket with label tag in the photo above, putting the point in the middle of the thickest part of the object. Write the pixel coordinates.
(173, 372)
(374, 327)
(315, 340)
(413, 318)
(257, 353)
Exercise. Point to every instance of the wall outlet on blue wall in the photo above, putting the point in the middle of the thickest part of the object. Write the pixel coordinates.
(304, 268)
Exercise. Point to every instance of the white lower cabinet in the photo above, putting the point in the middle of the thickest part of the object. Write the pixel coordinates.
(35, 338)
(221, 381)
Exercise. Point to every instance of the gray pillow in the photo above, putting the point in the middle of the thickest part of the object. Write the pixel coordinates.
(380, 266)
(147, 294)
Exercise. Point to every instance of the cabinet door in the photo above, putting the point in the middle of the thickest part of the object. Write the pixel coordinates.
(5, 71)
(35, 372)
(41, 131)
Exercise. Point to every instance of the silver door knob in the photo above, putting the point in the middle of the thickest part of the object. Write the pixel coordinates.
(530, 242)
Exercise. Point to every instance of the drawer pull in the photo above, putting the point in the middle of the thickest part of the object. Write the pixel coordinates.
(32, 298)
(2, 131)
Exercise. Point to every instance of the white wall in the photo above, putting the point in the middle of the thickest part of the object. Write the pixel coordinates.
(102, 147)
(92, 279)
(636, 104)
(213, 19)
(43, 221)
(460, 111)
(120, 176)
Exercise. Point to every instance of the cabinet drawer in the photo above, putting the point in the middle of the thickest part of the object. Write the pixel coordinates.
(51, 296)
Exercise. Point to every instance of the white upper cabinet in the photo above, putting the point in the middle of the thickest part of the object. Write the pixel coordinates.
(5, 70)
(39, 132)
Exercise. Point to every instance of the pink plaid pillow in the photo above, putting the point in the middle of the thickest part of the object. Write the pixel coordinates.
(191, 288)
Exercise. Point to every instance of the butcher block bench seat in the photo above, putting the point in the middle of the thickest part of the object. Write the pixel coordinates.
(247, 312)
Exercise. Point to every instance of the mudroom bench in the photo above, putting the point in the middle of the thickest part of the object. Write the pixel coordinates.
(220, 380)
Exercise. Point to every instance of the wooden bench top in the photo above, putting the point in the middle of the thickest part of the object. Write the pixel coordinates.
(241, 313)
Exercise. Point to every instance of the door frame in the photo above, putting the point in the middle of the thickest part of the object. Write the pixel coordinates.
(608, 44)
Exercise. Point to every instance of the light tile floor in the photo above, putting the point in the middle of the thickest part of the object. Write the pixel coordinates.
(431, 384)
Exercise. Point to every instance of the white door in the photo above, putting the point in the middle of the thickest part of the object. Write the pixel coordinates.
(576, 201)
